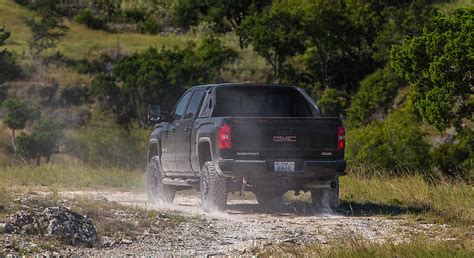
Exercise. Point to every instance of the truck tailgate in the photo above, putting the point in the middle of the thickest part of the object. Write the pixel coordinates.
(305, 138)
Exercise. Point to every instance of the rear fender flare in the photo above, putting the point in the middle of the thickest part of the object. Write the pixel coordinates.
(204, 140)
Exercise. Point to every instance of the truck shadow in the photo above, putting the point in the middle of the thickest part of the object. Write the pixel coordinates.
(349, 208)
(346, 208)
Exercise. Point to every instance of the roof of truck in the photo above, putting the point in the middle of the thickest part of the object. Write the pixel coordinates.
(238, 84)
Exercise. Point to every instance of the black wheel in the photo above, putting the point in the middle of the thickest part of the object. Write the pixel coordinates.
(157, 191)
(213, 189)
(326, 200)
(269, 200)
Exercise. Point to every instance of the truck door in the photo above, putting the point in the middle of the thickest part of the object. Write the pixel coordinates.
(183, 133)
(168, 139)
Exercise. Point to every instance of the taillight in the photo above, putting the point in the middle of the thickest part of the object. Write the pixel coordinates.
(225, 141)
(341, 138)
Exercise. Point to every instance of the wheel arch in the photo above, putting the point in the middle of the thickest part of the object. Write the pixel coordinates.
(153, 149)
(204, 151)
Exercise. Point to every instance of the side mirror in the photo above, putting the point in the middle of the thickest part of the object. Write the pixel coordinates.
(155, 115)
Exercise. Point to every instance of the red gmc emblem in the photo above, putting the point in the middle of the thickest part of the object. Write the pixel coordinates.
(284, 138)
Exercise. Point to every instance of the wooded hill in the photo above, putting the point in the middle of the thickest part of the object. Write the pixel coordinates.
(76, 76)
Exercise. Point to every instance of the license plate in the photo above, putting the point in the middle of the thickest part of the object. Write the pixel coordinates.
(284, 166)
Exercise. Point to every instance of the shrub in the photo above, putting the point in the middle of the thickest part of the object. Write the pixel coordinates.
(186, 13)
(455, 160)
(74, 95)
(132, 15)
(102, 142)
(395, 144)
(150, 26)
(42, 142)
(376, 93)
(86, 17)
(332, 102)
(22, 2)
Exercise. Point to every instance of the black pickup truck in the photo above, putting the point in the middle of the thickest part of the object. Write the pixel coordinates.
(263, 138)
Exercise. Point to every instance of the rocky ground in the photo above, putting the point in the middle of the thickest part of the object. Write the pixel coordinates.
(128, 225)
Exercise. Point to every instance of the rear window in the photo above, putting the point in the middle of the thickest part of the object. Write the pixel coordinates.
(260, 101)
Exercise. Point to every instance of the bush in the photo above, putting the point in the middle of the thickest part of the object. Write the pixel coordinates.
(102, 142)
(332, 102)
(42, 142)
(22, 2)
(74, 95)
(376, 93)
(132, 15)
(86, 17)
(186, 13)
(395, 144)
(150, 26)
(455, 160)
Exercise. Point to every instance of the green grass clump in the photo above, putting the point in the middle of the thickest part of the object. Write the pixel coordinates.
(70, 176)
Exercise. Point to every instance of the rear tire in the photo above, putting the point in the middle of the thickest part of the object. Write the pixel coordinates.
(268, 200)
(326, 200)
(213, 189)
(157, 191)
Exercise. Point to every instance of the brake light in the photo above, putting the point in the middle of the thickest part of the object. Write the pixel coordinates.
(225, 141)
(341, 138)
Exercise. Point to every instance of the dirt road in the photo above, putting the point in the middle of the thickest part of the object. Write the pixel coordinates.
(244, 227)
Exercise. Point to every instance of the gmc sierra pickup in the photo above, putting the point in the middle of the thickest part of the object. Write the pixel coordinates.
(263, 138)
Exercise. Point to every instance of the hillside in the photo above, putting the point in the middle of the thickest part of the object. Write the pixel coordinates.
(74, 133)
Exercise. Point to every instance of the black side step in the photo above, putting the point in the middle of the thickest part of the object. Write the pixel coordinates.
(181, 182)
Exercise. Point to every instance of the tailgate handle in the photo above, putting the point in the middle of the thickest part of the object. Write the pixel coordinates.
(285, 130)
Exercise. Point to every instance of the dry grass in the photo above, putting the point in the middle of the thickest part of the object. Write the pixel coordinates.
(110, 218)
(118, 221)
(408, 196)
(443, 201)
(420, 247)
(452, 5)
(80, 42)
(73, 175)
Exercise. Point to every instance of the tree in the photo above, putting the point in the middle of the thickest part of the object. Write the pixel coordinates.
(223, 16)
(158, 77)
(42, 142)
(229, 15)
(46, 25)
(276, 35)
(8, 69)
(439, 64)
(333, 55)
(406, 19)
(17, 113)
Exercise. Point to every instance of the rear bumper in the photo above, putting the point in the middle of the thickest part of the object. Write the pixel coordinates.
(264, 169)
